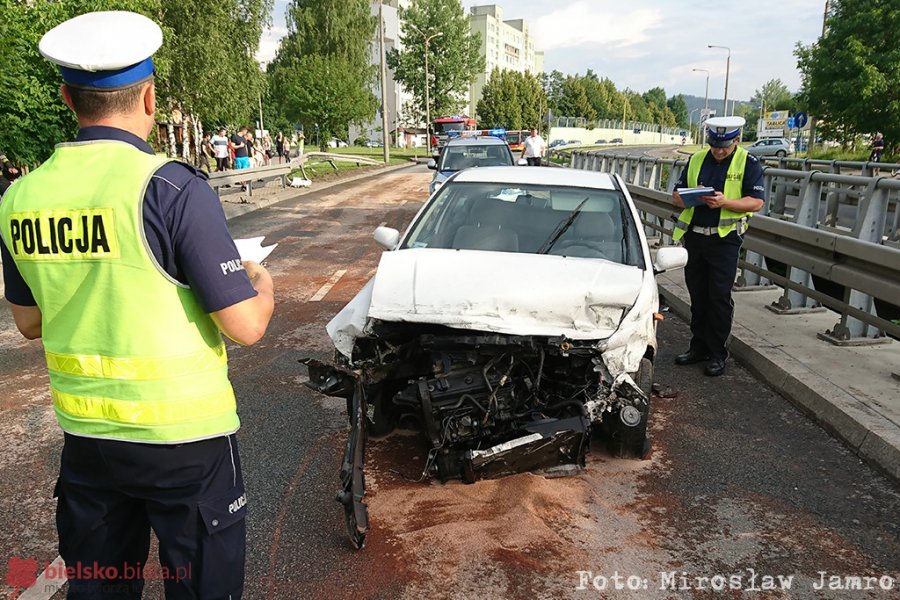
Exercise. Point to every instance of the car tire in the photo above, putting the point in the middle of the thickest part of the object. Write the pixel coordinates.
(631, 442)
(781, 154)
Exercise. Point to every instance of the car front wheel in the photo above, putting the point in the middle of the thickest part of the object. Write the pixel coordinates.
(626, 435)
(781, 154)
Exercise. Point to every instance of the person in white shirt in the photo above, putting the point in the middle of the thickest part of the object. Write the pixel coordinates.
(533, 148)
(220, 145)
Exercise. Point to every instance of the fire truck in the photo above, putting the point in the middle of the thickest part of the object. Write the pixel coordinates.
(445, 128)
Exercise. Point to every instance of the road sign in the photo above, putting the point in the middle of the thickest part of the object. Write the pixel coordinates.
(800, 120)
(790, 122)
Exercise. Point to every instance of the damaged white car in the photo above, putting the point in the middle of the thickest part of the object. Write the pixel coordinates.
(515, 318)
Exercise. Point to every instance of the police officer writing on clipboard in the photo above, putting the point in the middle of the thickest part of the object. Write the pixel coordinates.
(122, 263)
(713, 233)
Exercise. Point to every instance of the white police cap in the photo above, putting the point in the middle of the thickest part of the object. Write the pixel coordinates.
(107, 50)
(721, 131)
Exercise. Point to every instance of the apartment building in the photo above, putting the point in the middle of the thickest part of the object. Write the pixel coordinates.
(396, 94)
(504, 45)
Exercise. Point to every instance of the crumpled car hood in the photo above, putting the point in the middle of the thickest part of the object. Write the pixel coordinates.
(504, 292)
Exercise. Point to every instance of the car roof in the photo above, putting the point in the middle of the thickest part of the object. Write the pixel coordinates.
(538, 176)
(476, 140)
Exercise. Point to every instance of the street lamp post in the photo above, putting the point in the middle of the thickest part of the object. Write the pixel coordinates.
(691, 123)
(706, 96)
(705, 99)
(385, 138)
(727, 70)
(427, 96)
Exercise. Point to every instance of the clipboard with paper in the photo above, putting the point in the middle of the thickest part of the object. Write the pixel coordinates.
(691, 196)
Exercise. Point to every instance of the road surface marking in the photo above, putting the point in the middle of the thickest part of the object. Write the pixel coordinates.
(46, 587)
(328, 285)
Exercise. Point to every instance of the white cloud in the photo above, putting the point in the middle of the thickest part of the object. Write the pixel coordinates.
(585, 23)
(268, 43)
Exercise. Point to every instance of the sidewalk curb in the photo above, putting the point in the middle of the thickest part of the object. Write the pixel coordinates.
(835, 409)
(234, 209)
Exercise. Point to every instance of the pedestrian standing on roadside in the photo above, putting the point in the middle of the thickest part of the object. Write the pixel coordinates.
(238, 144)
(877, 151)
(220, 144)
(8, 173)
(533, 148)
(279, 146)
(206, 152)
(713, 233)
(130, 287)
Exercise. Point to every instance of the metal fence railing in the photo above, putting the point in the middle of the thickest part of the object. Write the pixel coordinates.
(827, 239)
(847, 167)
(614, 124)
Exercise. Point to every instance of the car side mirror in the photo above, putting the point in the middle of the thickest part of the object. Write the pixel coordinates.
(387, 237)
(432, 165)
(669, 257)
(522, 162)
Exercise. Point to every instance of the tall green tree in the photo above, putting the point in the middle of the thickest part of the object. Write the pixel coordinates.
(205, 64)
(534, 109)
(553, 89)
(773, 95)
(512, 100)
(597, 94)
(655, 98)
(212, 70)
(574, 101)
(454, 57)
(851, 75)
(33, 117)
(321, 76)
(679, 110)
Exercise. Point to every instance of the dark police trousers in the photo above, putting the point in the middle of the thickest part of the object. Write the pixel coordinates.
(110, 494)
(709, 275)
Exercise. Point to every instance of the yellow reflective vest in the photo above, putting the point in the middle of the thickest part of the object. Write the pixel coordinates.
(131, 354)
(734, 181)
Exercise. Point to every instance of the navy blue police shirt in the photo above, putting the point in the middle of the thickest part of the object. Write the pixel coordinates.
(185, 229)
(712, 174)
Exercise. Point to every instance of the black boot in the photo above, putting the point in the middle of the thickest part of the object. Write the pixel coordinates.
(690, 357)
(715, 367)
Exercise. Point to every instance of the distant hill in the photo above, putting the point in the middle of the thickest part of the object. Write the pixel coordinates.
(715, 104)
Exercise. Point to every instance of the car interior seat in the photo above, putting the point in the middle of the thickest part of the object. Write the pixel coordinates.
(592, 235)
(488, 229)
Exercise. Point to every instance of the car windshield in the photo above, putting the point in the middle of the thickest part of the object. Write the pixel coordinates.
(508, 217)
(447, 127)
(463, 156)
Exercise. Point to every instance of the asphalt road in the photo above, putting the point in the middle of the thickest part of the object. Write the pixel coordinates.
(739, 485)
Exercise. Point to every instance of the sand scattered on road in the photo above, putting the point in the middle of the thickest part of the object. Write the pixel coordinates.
(525, 535)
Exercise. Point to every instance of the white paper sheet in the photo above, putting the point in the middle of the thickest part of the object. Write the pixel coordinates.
(252, 249)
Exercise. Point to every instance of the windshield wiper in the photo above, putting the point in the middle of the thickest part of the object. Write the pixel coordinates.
(561, 228)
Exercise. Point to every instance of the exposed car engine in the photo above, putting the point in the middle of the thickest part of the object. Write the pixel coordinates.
(487, 404)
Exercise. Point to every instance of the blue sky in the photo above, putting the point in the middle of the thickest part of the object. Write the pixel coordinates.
(645, 43)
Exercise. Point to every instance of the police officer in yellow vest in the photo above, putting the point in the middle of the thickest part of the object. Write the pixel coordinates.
(713, 232)
(121, 262)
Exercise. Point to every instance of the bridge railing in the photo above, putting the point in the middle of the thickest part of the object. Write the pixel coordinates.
(846, 167)
(827, 239)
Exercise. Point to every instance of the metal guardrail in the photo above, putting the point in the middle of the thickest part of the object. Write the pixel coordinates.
(866, 168)
(243, 176)
(281, 171)
(854, 270)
